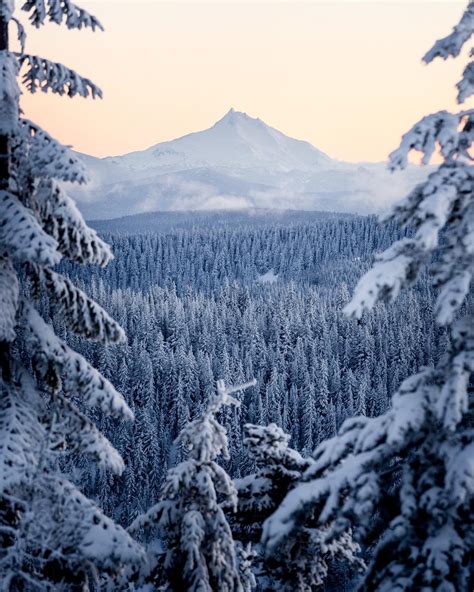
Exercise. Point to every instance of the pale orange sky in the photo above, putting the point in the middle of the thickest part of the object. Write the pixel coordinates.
(345, 75)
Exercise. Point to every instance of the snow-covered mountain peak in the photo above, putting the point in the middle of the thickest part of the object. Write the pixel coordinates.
(248, 142)
(236, 141)
(238, 162)
(234, 117)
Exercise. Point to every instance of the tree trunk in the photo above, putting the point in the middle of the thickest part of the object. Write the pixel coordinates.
(4, 184)
(4, 143)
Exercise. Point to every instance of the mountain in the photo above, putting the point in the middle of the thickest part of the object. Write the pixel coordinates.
(240, 162)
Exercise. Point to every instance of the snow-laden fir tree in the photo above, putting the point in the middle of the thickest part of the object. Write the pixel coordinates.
(278, 468)
(194, 550)
(303, 564)
(409, 474)
(52, 537)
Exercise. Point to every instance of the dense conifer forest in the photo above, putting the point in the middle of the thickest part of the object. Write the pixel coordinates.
(196, 307)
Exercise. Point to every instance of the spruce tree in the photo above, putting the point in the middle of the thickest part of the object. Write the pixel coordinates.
(51, 535)
(194, 549)
(408, 474)
(303, 564)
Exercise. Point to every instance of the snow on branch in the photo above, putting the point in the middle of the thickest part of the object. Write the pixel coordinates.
(414, 458)
(20, 435)
(58, 11)
(43, 156)
(7, 8)
(325, 493)
(268, 445)
(394, 269)
(342, 481)
(79, 377)
(87, 531)
(459, 462)
(20, 34)
(452, 296)
(82, 436)
(199, 550)
(42, 74)
(9, 93)
(205, 437)
(224, 394)
(150, 517)
(443, 203)
(81, 314)
(22, 235)
(451, 398)
(451, 45)
(361, 434)
(466, 85)
(63, 221)
(9, 292)
(439, 130)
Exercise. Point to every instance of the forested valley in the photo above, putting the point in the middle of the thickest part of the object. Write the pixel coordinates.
(197, 306)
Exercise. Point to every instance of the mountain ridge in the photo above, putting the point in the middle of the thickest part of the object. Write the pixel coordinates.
(238, 162)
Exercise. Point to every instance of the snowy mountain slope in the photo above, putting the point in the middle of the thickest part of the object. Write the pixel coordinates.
(240, 162)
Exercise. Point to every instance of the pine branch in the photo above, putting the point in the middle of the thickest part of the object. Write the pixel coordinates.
(20, 434)
(451, 45)
(44, 157)
(82, 436)
(45, 75)
(62, 220)
(9, 292)
(57, 11)
(21, 234)
(79, 377)
(9, 93)
(81, 314)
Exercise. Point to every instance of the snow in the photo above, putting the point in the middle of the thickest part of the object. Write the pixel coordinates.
(237, 141)
(190, 515)
(270, 277)
(78, 375)
(20, 434)
(63, 221)
(45, 516)
(9, 292)
(21, 234)
(451, 45)
(240, 162)
(81, 314)
(46, 76)
(9, 91)
(96, 536)
(57, 11)
(46, 157)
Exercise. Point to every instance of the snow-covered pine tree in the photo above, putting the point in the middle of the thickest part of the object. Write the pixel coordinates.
(303, 564)
(406, 478)
(195, 550)
(51, 535)
(278, 468)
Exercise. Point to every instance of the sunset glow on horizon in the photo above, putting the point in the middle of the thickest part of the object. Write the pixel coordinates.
(346, 76)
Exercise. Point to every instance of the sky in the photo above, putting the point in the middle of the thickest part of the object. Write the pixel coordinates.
(345, 75)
